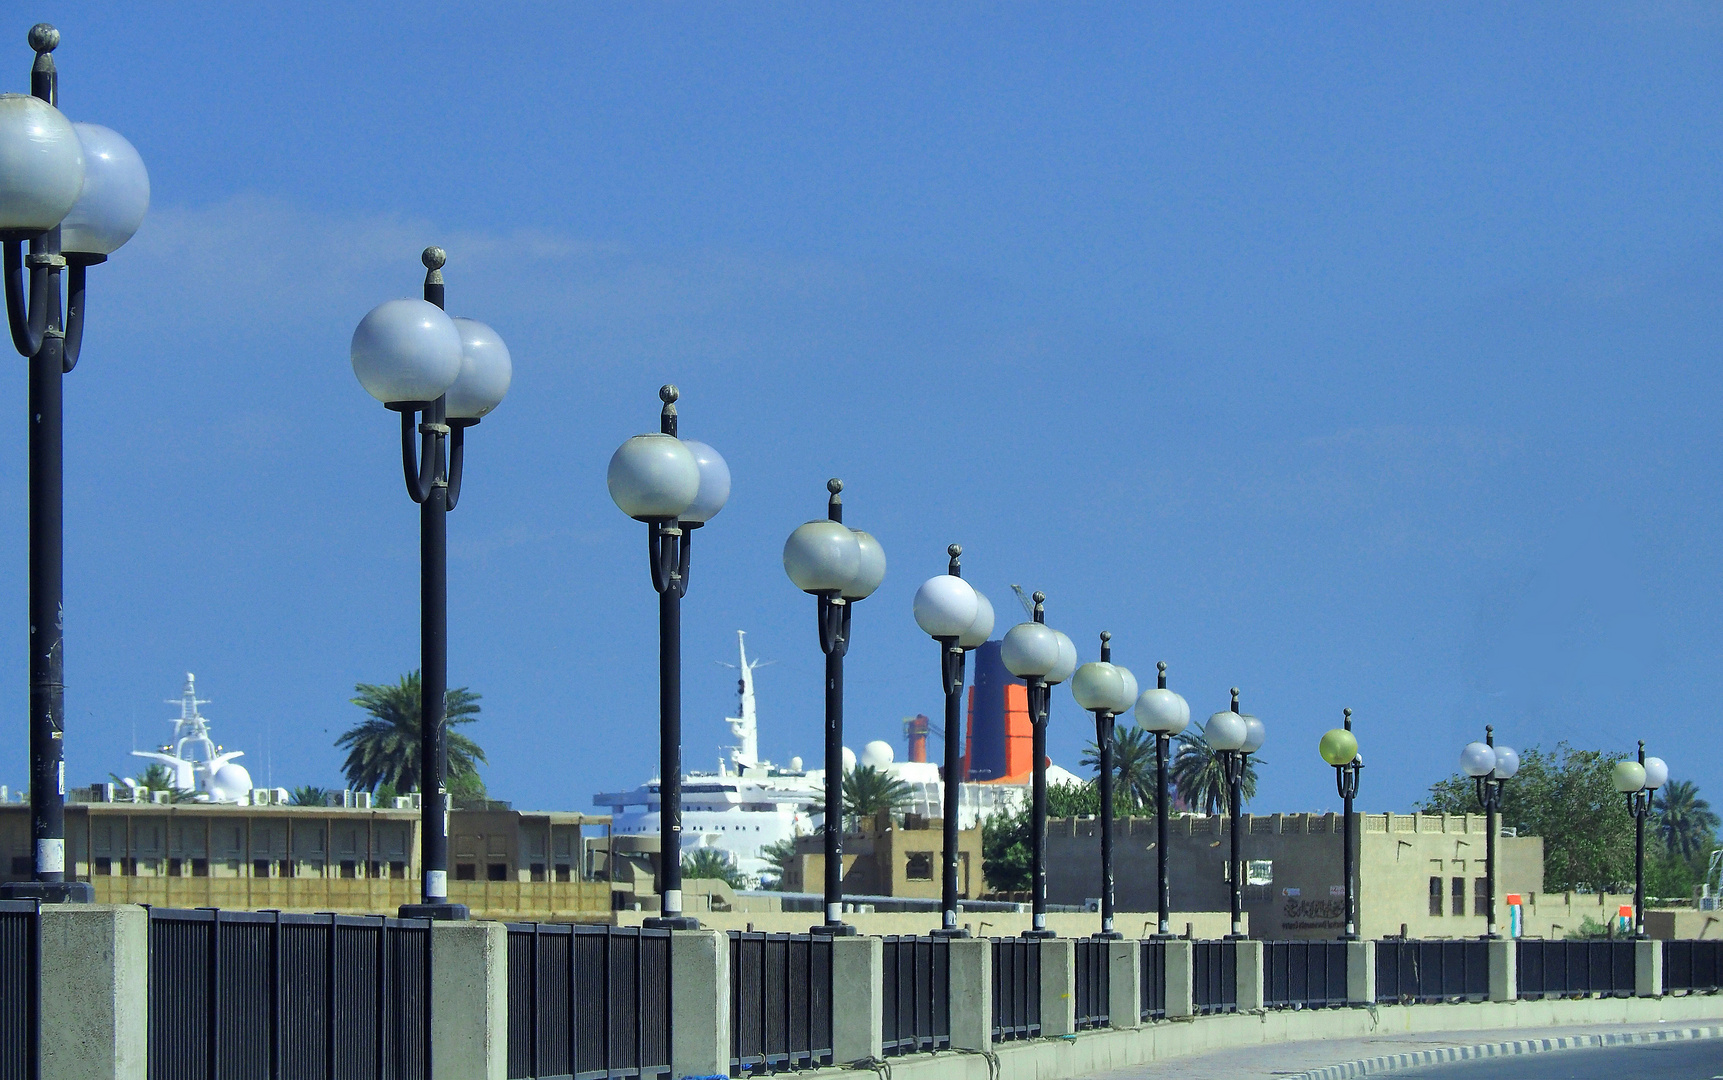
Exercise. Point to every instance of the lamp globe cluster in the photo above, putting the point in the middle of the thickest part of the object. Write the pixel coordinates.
(1338, 747)
(1102, 686)
(828, 558)
(410, 351)
(949, 607)
(1162, 712)
(1225, 731)
(1479, 760)
(1630, 776)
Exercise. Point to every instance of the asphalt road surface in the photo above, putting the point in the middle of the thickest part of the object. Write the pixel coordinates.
(1698, 1060)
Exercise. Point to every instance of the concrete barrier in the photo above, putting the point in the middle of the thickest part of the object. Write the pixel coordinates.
(971, 994)
(95, 982)
(470, 1001)
(1124, 984)
(858, 1019)
(700, 1003)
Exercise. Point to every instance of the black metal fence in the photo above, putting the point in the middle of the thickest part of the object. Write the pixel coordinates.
(1153, 973)
(240, 994)
(1214, 977)
(780, 1002)
(1574, 968)
(1693, 965)
(1094, 1005)
(588, 1001)
(1408, 971)
(20, 987)
(916, 994)
(1303, 974)
(1016, 988)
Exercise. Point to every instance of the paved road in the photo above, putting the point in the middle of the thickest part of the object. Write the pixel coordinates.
(1702, 1060)
(1280, 1060)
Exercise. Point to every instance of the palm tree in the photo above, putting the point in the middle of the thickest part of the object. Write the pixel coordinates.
(384, 747)
(308, 795)
(867, 791)
(712, 863)
(1686, 822)
(780, 853)
(1200, 778)
(156, 777)
(1133, 764)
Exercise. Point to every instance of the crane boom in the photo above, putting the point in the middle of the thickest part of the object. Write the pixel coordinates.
(1023, 598)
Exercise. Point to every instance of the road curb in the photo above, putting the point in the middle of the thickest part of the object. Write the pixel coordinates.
(1393, 1062)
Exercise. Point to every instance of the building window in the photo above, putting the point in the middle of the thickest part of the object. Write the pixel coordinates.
(104, 866)
(200, 868)
(129, 867)
(1459, 893)
(538, 871)
(1481, 896)
(563, 872)
(174, 867)
(286, 868)
(349, 868)
(397, 869)
(464, 872)
(497, 872)
(260, 868)
(1436, 896)
(919, 866)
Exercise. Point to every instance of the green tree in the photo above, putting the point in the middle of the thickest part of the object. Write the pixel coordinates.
(713, 864)
(868, 790)
(156, 777)
(307, 795)
(384, 747)
(1005, 838)
(1686, 823)
(1133, 765)
(1200, 778)
(1566, 798)
(779, 853)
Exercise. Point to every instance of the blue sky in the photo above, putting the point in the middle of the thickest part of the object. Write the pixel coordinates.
(1351, 355)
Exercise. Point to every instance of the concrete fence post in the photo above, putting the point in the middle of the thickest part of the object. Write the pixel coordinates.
(700, 1003)
(469, 1001)
(1648, 968)
(1361, 973)
(971, 994)
(1181, 980)
(1058, 987)
(1124, 984)
(95, 992)
(1250, 989)
(858, 1021)
(1504, 969)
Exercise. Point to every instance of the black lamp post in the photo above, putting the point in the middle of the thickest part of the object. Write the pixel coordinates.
(1339, 747)
(1490, 767)
(674, 486)
(957, 616)
(1163, 714)
(1638, 782)
(1234, 736)
(838, 566)
(1105, 689)
(442, 375)
(75, 193)
(1042, 657)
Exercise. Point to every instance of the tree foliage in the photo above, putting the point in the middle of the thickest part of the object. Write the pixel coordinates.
(1005, 838)
(1199, 776)
(157, 777)
(1566, 797)
(384, 747)
(779, 853)
(711, 863)
(868, 790)
(1133, 765)
(1685, 823)
(308, 795)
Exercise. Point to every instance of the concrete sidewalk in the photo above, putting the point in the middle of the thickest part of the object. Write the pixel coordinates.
(1290, 1059)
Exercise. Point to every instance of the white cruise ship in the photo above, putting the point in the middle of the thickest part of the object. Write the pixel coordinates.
(750, 804)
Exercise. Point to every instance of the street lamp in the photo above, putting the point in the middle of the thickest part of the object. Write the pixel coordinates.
(675, 486)
(75, 193)
(1639, 781)
(839, 566)
(1490, 767)
(1043, 658)
(955, 614)
(1164, 714)
(1234, 736)
(442, 375)
(1339, 747)
(1105, 689)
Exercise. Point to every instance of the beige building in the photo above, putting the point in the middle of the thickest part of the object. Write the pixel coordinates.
(891, 859)
(505, 863)
(1421, 874)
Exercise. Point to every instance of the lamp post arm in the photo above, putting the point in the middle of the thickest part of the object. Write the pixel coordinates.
(77, 271)
(418, 457)
(457, 458)
(28, 322)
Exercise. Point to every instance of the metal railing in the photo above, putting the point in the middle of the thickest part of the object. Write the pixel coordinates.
(1303, 974)
(1093, 988)
(588, 1001)
(780, 1002)
(240, 994)
(1153, 970)
(1408, 971)
(20, 987)
(1214, 977)
(1016, 988)
(915, 998)
(1574, 968)
(1693, 965)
